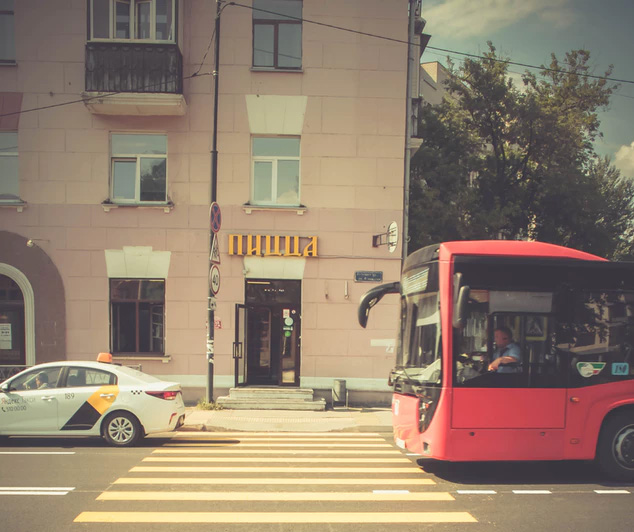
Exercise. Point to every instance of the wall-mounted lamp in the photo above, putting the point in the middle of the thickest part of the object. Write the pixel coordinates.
(31, 241)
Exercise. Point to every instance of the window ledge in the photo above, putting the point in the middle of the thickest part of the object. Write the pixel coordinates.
(18, 205)
(166, 207)
(299, 210)
(165, 359)
(270, 69)
(8, 63)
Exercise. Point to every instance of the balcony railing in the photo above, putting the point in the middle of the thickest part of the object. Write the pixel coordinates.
(134, 67)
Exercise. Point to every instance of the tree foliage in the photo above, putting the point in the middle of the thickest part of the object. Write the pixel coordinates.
(501, 161)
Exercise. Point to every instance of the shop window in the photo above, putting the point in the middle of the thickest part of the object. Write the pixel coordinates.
(277, 34)
(275, 171)
(138, 168)
(147, 20)
(137, 316)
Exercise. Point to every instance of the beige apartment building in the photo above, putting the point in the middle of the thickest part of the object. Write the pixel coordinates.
(106, 231)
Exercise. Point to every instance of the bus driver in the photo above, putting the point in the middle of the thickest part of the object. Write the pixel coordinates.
(506, 352)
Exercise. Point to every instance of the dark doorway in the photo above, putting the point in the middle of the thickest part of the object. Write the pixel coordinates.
(12, 345)
(271, 342)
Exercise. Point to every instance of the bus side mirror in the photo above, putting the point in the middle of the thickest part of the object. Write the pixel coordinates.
(460, 307)
(372, 297)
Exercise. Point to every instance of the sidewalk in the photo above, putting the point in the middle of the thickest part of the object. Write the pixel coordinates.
(340, 419)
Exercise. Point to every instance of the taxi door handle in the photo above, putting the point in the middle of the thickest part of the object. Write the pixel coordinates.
(48, 398)
(107, 395)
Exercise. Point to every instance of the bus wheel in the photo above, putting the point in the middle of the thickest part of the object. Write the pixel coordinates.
(615, 452)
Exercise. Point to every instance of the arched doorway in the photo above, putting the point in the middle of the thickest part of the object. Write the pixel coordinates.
(12, 323)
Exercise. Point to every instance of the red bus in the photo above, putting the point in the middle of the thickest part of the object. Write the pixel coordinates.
(561, 323)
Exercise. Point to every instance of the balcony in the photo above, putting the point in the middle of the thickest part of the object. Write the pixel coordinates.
(134, 78)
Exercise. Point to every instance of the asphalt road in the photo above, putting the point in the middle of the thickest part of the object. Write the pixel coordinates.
(298, 481)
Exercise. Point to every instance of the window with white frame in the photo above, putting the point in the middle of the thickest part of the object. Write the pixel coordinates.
(9, 178)
(138, 168)
(277, 34)
(7, 32)
(275, 171)
(147, 20)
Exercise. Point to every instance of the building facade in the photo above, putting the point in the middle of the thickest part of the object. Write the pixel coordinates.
(106, 232)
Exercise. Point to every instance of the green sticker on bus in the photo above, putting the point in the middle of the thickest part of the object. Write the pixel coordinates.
(590, 369)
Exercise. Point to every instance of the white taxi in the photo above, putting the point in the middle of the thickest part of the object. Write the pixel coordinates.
(73, 398)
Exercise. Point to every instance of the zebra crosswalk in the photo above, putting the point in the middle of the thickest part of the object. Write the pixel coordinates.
(312, 479)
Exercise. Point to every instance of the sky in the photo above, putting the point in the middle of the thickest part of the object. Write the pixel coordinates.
(528, 31)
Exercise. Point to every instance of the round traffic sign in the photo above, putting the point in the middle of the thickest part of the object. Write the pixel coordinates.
(214, 279)
(215, 217)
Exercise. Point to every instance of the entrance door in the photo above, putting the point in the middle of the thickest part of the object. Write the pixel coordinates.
(239, 346)
(273, 332)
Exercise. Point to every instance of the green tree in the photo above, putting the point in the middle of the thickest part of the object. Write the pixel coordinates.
(498, 161)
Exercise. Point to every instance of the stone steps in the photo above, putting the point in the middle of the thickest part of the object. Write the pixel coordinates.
(271, 399)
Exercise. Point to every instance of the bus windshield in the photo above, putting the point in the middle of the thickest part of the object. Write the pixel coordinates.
(419, 353)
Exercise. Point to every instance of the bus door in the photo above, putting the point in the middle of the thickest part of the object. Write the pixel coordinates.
(522, 405)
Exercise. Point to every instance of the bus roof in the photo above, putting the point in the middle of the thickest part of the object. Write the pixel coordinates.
(505, 248)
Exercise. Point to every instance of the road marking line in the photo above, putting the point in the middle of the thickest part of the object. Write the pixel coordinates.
(476, 492)
(272, 496)
(274, 517)
(277, 481)
(323, 444)
(272, 451)
(532, 492)
(284, 435)
(225, 459)
(35, 491)
(37, 452)
(334, 439)
(35, 488)
(610, 492)
(272, 469)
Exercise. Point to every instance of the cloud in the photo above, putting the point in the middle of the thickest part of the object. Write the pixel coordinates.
(624, 160)
(480, 18)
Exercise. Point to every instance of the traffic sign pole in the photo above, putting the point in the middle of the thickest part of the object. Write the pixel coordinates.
(213, 188)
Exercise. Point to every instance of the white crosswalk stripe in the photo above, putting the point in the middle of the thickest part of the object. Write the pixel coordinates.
(276, 478)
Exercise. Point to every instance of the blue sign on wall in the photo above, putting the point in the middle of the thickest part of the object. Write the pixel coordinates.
(368, 277)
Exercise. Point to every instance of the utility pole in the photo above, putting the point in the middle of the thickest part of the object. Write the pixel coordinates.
(211, 299)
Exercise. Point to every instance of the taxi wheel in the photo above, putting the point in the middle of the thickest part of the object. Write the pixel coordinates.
(121, 429)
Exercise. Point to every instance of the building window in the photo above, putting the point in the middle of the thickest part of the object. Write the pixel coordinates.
(277, 39)
(147, 20)
(275, 171)
(137, 316)
(7, 32)
(138, 168)
(9, 179)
